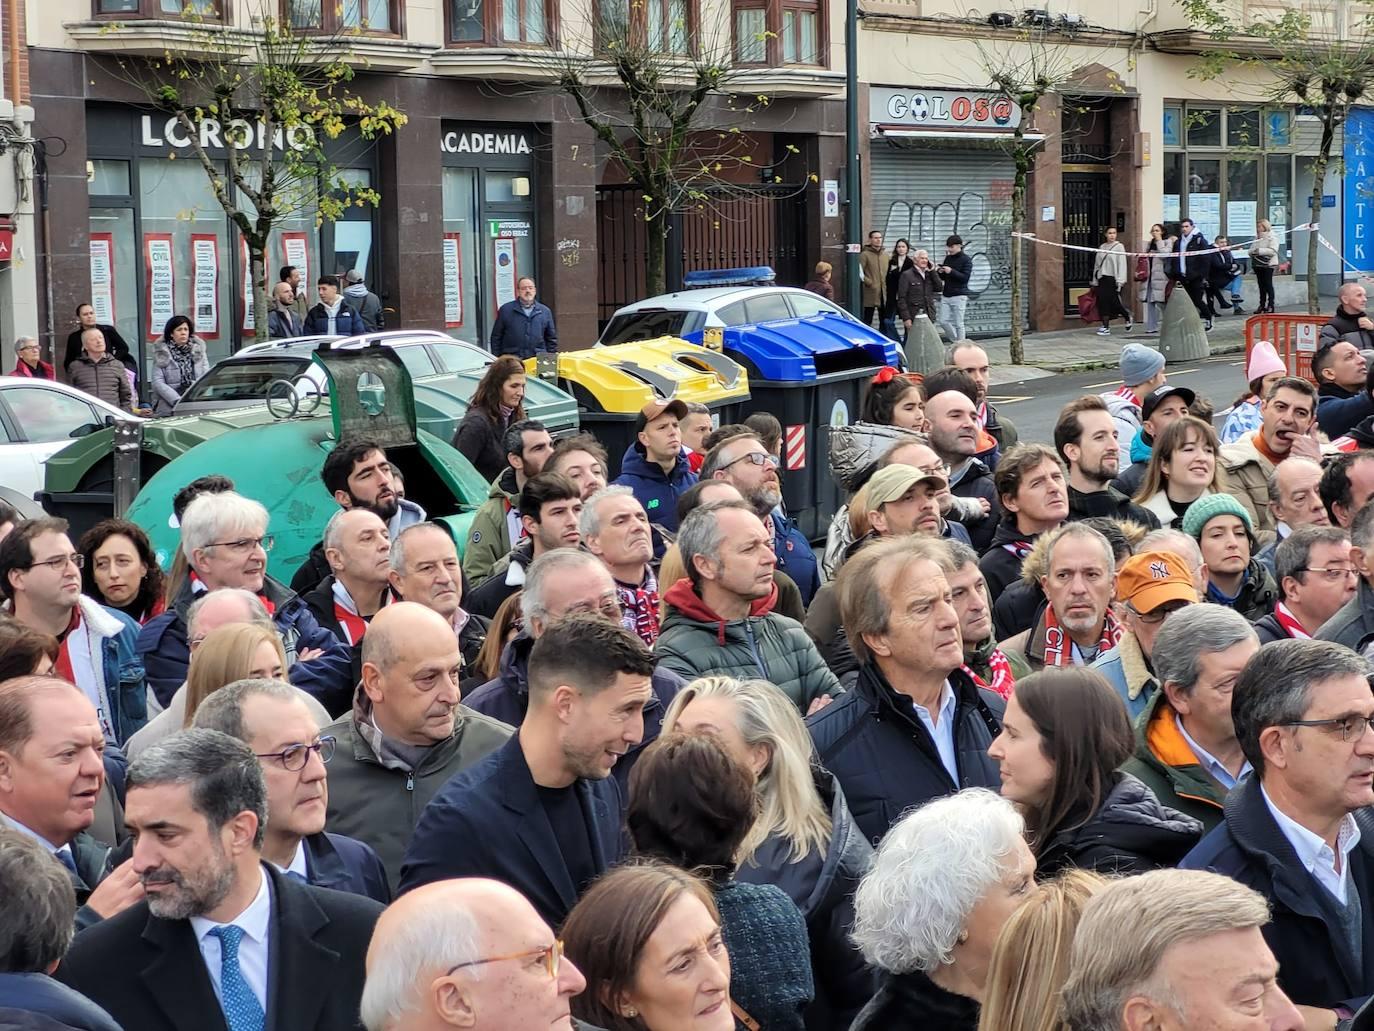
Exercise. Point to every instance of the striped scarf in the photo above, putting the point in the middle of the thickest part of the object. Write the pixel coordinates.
(1059, 645)
(639, 607)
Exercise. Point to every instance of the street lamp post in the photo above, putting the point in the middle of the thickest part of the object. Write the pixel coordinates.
(853, 221)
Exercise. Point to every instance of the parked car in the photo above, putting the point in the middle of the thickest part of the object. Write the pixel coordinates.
(689, 313)
(38, 418)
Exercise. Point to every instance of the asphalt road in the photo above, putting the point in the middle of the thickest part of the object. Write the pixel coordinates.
(1034, 404)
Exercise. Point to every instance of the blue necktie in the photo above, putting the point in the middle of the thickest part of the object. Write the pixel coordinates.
(300, 877)
(65, 858)
(242, 1011)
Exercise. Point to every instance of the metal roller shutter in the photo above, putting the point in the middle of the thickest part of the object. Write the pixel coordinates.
(923, 195)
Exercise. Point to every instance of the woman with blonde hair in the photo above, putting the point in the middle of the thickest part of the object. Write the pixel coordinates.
(1183, 467)
(1030, 962)
(804, 839)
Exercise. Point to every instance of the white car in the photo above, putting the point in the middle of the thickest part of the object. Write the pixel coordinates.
(38, 418)
(688, 313)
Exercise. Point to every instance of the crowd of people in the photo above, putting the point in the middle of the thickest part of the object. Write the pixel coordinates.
(1056, 735)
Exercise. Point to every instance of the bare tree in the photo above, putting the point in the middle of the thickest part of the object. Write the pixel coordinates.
(289, 88)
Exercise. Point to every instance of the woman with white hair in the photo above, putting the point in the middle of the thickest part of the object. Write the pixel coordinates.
(804, 840)
(946, 878)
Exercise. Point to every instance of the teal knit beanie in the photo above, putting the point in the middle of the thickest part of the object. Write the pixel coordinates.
(1206, 508)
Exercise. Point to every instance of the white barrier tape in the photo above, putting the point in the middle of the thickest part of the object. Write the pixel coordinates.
(1307, 227)
(1362, 273)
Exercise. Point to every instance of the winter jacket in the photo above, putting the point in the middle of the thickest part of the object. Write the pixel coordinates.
(1126, 669)
(1248, 472)
(855, 449)
(523, 335)
(507, 577)
(1353, 623)
(168, 382)
(1015, 611)
(1164, 763)
(1264, 250)
(104, 379)
(1110, 261)
(656, 491)
(506, 697)
(873, 273)
(974, 480)
(913, 1002)
(44, 370)
(891, 282)
(1155, 287)
(918, 293)
(114, 345)
(1258, 593)
(1110, 503)
(479, 439)
(36, 1002)
(1316, 965)
(1340, 410)
(347, 322)
(765, 938)
(823, 885)
(166, 654)
(1131, 833)
(883, 757)
(367, 306)
(1133, 476)
(1002, 429)
(1184, 267)
(1243, 421)
(695, 641)
(284, 323)
(1125, 412)
(960, 271)
(1001, 562)
(1345, 325)
(978, 661)
(1157, 504)
(795, 557)
(378, 799)
(489, 536)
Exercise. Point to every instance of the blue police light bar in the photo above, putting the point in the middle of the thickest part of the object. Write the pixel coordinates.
(759, 275)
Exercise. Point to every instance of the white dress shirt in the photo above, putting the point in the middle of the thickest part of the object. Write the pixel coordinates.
(14, 824)
(943, 732)
(256, 922)
(1315, 854)
(297, 865)
(1215, 768)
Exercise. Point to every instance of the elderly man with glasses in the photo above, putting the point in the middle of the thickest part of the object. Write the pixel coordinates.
(270, 718)
(1316, 578)
(225, 540)
(29, 360)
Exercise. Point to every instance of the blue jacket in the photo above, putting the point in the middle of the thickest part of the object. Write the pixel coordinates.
(1316, 965)
(488, 822)
(345, 864)
(795, 557)
(25, 998)
(166, 654)
(656, 492)
(523, 335)
(347, 323)
(121, 672)
(1338, 411)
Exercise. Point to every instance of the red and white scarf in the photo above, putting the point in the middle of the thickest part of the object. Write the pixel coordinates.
(1018, 549)
(1059, 645)
(1290, 623)
(353, 625)
(999, 671)
(198, 587)
(983, 416)
(639, 607)
(1129, 394)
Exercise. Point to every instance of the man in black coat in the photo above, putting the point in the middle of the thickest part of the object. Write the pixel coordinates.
(954, 437)
(542, 813)
(220, 931)
(1192, 272)
(1299, 830)
(914, 727)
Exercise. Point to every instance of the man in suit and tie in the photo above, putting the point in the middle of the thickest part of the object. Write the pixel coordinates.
(223, 941)
(51, 776)
(542, 813)
(271, 719)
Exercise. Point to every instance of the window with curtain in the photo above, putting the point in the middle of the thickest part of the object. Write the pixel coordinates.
(779, 32)
(193, 10)
(495, 22)
(342, 16)
(663, 26)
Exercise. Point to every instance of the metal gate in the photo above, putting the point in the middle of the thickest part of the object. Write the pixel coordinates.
(925, 195)
(1087, 214)
(734, 227)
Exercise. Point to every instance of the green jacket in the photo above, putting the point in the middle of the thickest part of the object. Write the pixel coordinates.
(489, 539)
(695, 642)
(1168, 767)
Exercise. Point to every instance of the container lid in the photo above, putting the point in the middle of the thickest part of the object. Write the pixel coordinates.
(759, 275)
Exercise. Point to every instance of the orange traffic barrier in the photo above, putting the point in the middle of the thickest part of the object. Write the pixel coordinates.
(1294, 338)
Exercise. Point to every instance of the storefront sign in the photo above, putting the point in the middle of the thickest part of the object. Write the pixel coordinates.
(510, 227)
(6, 244)
(941, 109)
(453, 280)
(250, 322)
(1359, 184)
(205, 285)
(295, 251)
(157, 259)
(241, 135)
(102, 277)
(503, 269)
(477, 142)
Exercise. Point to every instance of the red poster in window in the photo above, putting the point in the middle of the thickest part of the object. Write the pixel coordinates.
(160, 276)
(205, 285)
(453, 280)
(296, 251)
(103, 278)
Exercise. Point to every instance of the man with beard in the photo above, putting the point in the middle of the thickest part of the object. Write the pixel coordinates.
(222, 939)
(954, 437)
(496, 527)
(1287, 420)
(1085, 437)
(966, 356)
(542, 813)
(745, 463)
(358, 474)
(616, 531)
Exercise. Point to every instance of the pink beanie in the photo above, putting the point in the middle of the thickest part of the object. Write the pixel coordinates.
(1263, 360)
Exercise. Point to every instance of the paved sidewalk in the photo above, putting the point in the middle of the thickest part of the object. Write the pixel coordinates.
(1071, 350)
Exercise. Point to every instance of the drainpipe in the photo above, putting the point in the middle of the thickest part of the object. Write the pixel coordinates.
(853, 221)
(12, 15)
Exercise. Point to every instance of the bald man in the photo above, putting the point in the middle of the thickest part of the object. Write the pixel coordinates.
(411, 981)
(407, 733)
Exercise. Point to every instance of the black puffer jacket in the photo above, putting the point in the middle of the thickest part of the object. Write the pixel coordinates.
(913, 1002)
(823, 888)
(1001, 561)
(1131, 833)
(975, 481)
(1258, 594)
(1110, 503)
(478, 438)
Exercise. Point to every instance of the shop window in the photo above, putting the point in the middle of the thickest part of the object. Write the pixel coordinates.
(1172, 128)
(203, 10)
(529, 22)
(1204, 127)
(1243, 128)
(662, 26)
(779, 32)
(109, 179)
(351, 16)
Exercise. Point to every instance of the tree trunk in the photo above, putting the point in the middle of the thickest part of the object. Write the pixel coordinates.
(1318, 186)
(257, 263)
(656, 233)
(1018, 225)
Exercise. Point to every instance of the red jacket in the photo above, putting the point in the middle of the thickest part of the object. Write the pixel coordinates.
(45, 370)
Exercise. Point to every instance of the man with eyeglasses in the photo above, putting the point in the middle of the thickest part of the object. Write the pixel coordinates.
(745, 463)
(508, 974)
(225, 540)
(407, 734)
(1353, 623)
(560, 584)
(269, 717)
(1316, 578)
(1300, 830)
(29, 360)
(1186, 750)
(40, 581)
(1294, 500)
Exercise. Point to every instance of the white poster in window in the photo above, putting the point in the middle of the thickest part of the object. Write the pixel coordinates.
(250, 325)
(102, 277)
(157, 257)
(1240, 220)
(296, 252)
(1205, 211)
(503, 268)
(1171, 209)
(205, 285)
(453, 281)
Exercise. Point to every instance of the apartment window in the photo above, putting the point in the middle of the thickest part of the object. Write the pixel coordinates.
(779, 32)
(528, 22)
(191, 9)
(662, 26)
(332, 17)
